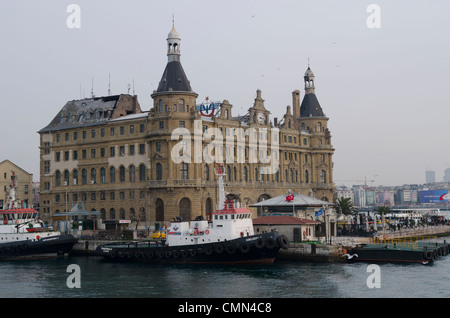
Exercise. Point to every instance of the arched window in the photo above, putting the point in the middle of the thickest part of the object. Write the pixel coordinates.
(93, 176)
(323, 176)
(228, 173)
(84, 176)
(112, 174)
(132, 215)
(102, 175)
(245, 174)
(132, 173)
(181, 107)
(185, 209)
(306, 176)
(112, 214)
(122, 214)
(75, 177)
(161, 106)
(142, 172)
(66, 177)
(159, 171)
(142, 215)
(256, 174)
(159, 207)
(122, 174)
(57, 178)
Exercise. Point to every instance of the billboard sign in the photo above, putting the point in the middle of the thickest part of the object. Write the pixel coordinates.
(434, 196)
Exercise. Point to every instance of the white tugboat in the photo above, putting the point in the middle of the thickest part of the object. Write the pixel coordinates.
(23, 235)
(228, 239)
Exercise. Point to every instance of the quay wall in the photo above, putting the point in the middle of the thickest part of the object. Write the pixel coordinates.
(312, 252)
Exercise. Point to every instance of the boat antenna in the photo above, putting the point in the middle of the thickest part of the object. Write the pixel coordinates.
(109, 84)
(92, 88)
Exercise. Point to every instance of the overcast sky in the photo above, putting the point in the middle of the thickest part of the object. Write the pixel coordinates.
(385, 90)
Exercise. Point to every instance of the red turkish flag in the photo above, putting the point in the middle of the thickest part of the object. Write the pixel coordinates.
(290, 197)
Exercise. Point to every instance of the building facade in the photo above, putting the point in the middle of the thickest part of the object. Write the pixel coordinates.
(24, 182)
(150, 167)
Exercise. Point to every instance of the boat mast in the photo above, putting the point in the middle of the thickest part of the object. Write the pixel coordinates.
(220, 173)
(12, 191)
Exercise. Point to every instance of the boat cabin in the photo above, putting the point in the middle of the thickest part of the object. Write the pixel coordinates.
(227, 224)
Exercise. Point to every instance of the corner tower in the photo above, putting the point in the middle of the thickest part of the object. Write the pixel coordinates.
(314, 131)
(174, 93)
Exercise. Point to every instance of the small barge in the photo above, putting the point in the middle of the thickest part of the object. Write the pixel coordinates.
(406, 252)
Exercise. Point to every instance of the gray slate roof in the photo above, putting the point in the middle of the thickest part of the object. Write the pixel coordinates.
(310, 106)
(83, 112)
(174, 78)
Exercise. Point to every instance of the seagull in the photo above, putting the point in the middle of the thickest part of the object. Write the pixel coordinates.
(350, 256)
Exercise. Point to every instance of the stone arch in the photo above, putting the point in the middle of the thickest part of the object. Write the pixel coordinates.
(185, 209)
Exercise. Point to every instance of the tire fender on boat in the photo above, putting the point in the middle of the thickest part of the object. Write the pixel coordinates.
(259, 243)
(219, 248)
(208, 250)
(244, 247)
(230, 249)
(271, 243)
(283, 241)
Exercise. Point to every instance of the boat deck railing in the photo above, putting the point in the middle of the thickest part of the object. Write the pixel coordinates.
(414, 243)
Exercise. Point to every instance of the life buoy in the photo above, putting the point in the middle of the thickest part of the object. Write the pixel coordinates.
(304, 233)
(5, 221)
(207, 232)
(384, 237)
(38, 237)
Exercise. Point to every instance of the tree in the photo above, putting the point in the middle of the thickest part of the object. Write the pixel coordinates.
(345, 206)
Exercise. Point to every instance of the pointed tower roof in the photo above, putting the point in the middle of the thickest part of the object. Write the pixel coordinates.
(310, 106)
(174, 78)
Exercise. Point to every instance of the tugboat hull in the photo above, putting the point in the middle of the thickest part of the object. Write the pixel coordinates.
(256, 249)
(51, 246)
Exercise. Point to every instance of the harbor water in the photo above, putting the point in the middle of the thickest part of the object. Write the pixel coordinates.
(93, 277)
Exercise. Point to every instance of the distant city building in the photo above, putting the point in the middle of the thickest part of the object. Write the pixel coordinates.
(447, 175)
(430, 176)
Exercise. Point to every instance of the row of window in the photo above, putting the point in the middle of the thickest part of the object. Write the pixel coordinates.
(101, 154)
(102, 196)
(94, 178)
(102, 132)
